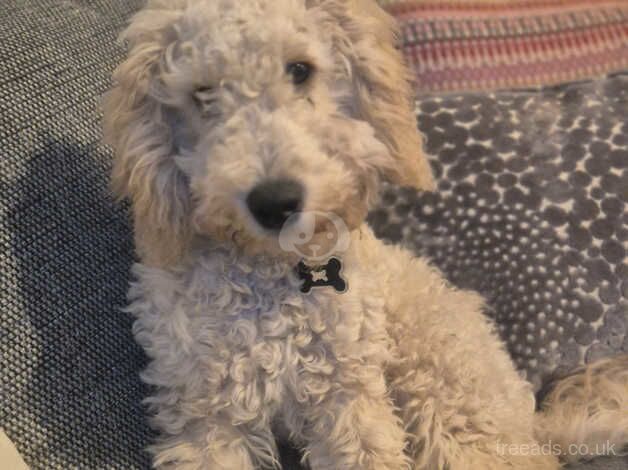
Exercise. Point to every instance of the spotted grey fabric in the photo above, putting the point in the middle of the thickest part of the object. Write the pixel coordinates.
(531, 211)
(70, 395)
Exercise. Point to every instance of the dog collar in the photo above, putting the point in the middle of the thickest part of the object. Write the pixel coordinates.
(324, 275)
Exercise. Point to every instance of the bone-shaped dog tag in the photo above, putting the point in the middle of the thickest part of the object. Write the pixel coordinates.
(326, 275)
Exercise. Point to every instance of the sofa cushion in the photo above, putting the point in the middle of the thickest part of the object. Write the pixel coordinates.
(69, 383)
(454, 45)
(531, 211)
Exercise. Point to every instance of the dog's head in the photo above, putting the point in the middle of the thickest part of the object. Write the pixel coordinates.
(229, 117)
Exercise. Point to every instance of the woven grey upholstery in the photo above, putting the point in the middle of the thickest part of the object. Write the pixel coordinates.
(70, 393)
(69, 384)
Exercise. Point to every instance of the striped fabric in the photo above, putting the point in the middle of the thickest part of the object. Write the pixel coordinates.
(500, 44)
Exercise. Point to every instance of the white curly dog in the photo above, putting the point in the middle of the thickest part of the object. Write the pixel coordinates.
(232, 119)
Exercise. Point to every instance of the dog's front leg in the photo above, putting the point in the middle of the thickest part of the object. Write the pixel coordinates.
(352, 425)
(219, 440)
(205, 444)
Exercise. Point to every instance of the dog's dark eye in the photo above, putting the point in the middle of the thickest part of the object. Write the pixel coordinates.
(299, 71)
(203, 94)
(205, 100)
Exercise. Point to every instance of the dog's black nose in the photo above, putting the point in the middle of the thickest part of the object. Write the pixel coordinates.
(272, 202)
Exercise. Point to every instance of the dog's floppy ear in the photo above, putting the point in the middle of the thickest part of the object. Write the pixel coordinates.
(366, 37)
(136, 126)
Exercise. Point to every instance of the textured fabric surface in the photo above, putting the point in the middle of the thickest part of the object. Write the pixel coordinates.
(531, 212)
(603, 463)
(69, 383)
(455, 45)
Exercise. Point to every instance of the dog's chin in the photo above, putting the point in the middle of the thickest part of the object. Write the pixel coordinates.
(254, 241)
(324, 236)
(241, 231)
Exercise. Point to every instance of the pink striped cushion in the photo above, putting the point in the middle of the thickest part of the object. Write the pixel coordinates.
(497, 44)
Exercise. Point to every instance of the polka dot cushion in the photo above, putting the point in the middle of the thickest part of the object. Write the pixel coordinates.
(531, 212)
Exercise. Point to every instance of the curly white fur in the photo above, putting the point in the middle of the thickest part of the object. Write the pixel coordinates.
(403, 370)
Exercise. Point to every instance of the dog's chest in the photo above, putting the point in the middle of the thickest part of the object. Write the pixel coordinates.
(276, 326)
(236, 326)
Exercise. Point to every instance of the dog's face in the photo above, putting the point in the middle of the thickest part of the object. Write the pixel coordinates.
(230, 118)
(270, 126)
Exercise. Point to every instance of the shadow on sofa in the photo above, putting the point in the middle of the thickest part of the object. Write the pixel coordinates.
(75, 393)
